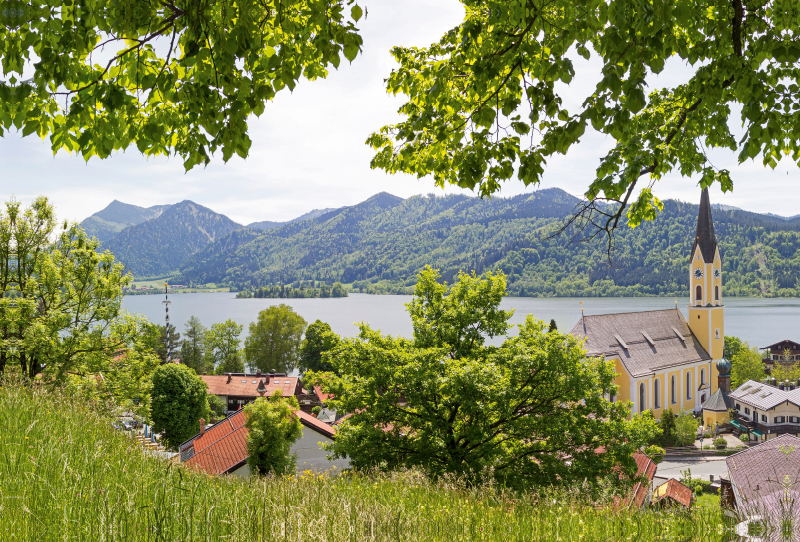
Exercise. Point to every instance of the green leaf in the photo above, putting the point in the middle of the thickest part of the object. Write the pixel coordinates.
(356, 12)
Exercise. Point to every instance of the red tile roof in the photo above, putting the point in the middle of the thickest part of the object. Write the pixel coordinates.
(310, 421)
(223, 447)
(644, 467)
(674, 490)
(247, 386)
(323, 397)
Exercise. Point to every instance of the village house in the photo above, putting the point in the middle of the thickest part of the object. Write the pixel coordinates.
(763, 482)
(767, 409)
(672, 493)
(238, 389)
(222, 448)
(661, 359)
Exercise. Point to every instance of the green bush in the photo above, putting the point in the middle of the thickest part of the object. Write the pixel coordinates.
(316, 410)
(656, 453)
(721, 443)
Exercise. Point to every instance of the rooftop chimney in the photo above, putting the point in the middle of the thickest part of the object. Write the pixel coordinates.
(229, 378)
(202, 427)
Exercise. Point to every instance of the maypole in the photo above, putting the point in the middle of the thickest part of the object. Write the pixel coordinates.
(166, 304)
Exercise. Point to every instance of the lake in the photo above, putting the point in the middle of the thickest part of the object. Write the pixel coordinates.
(758, 321)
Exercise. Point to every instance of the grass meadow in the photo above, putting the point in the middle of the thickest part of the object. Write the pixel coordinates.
(66, 474)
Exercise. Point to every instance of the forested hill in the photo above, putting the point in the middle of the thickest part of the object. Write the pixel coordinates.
(380, 244)
(159, 246)
(116, 217)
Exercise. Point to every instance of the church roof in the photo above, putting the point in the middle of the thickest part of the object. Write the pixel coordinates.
(704, 237)
(719, 402)
(645, 342)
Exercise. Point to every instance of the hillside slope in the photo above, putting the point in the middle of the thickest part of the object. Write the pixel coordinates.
(158, 246)
(116, 217)
(380, 248)
(269, 225)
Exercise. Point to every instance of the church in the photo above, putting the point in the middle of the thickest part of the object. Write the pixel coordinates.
(662, 359)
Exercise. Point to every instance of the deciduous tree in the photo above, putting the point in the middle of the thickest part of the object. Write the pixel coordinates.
(272, 427)
(175, 77)
(733, 345)
(319, 339)
(746, 365)
(275, 338)
(446, 402)
(60, 295)
(178, 401)
(487, 101)
(221, 343)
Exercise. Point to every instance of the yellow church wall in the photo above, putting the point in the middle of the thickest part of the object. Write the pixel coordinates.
(698, 323)
(717, 322)
(710, 419)
(623, 382)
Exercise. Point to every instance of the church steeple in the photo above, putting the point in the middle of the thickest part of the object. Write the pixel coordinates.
(705, 283)
(704, 238)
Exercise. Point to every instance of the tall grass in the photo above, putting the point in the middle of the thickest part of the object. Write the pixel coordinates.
(67, 474)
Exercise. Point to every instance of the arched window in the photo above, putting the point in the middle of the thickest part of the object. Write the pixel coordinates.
(688, 385)
(657, 394)
(642, 398)
(673, 391)
(698, 293)
(702, 377)
(716, 293)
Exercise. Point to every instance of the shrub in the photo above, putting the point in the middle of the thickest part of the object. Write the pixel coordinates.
(656, 453)
(708, 447)
(721, 443)
(178, 402)
(316, 410)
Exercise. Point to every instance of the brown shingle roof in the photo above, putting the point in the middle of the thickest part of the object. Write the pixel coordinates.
(758, 475)
(247, 386)
(675, 491)
(604, 332)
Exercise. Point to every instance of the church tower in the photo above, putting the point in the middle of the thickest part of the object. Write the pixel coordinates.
(705, 283)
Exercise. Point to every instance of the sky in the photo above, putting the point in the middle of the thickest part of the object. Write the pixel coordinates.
(308, 148)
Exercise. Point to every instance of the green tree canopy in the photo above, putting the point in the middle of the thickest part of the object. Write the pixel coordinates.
(486, 102)
(178, 401)
(221, 344)
(733, 345)
(176, 78)
(685, 428)
(446, 402)
(272, 429)
(746, 365)
(60, 295)
(319, 339)
(274, 340)
(157, 339)
(193, 346)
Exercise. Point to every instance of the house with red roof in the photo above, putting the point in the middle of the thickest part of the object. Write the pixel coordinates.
(238, 389)
(222, 448)
(672, 493)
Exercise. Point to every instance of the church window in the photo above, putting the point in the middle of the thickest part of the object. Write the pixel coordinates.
(688, 385)
(657, 394)
(673, 391)
(698, 293)
(702, 377)
(642, 398)
(716, 293)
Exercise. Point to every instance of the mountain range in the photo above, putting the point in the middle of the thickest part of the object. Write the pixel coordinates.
(379, 245)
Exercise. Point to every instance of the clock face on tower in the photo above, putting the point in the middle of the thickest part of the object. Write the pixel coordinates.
(716, 273)
(698, 273)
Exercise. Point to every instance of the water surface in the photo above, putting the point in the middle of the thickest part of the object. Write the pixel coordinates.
(758, 321)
